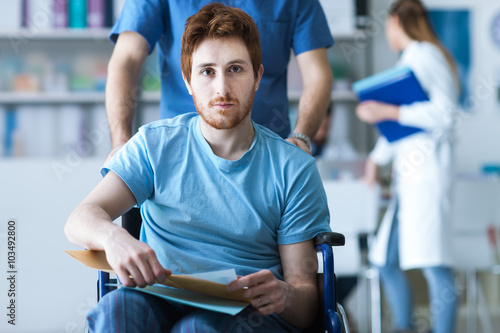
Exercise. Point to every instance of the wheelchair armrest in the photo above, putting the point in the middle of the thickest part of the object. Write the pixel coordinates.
(331, 238)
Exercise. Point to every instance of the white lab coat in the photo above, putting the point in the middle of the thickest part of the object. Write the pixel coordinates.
(422, 170)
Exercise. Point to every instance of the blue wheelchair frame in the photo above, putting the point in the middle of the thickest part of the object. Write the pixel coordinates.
(324, 243)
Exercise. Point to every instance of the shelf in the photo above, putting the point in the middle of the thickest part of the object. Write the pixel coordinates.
(351, 35)
(102, 34)
(93, 97)
(89, 34)
(52, 98)
(337, 96)
(344, 96)
(150, 97)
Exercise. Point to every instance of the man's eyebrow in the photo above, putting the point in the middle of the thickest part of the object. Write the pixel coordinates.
(207, 64)
(237, 61)
(232, 62)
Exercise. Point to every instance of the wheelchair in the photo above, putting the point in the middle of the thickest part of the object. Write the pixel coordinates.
(333, 318)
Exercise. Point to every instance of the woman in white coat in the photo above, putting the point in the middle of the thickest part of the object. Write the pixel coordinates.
(416, 230)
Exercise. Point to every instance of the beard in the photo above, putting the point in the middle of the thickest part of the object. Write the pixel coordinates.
(222, 118)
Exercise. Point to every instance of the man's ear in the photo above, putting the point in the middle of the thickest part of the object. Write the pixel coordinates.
(188, 85)
(259, 77)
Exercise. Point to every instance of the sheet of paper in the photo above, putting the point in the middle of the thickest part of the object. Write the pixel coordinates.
(194, 299)
(224, 276)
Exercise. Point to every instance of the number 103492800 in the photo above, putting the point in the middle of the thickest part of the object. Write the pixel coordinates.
(11, 244)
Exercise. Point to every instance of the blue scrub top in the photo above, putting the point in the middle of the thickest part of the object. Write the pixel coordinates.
(283, 25)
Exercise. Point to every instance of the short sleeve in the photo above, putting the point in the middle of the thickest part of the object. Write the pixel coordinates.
(131, 163)
(311, 27)
(306, 211)
(145, 17)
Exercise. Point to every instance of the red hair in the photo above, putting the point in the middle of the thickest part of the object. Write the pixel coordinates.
(216, 21)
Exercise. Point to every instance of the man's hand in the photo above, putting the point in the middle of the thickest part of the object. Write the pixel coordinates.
(373, 112)
(268, 294)
(295, 298)
(299, 143)
(134, 261)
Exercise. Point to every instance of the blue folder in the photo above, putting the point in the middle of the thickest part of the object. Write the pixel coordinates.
(398, 86)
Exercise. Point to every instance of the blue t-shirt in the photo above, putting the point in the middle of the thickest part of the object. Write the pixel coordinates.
(283, 25)
(203, 213)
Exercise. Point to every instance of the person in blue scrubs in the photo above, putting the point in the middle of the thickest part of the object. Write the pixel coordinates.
(217, 191)
(284, 25)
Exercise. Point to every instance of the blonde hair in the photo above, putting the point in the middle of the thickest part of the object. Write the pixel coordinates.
(415, 23)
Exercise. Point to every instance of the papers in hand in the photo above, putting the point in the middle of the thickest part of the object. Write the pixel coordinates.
(223, 277)
(204, 290)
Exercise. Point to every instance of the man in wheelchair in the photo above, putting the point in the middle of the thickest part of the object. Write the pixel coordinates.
(216, 191)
